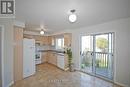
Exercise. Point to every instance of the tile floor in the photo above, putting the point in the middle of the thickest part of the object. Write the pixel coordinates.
(50, 76)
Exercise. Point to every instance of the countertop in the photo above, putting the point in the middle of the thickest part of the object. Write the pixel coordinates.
(54, 51)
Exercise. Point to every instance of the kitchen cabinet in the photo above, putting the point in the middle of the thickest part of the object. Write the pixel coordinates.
(43, 39)
(67, 39)
(60, 60)
(52, 58)
(57, 59)
(28, 36)
(37, 38)
(44, 57)
(49, 57)
(51, 40)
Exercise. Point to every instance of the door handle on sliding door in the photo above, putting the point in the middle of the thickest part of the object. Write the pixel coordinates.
(80, 53)
(91, 53)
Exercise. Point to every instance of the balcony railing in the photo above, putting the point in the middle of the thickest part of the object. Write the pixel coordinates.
(102, 62)
(101, 58)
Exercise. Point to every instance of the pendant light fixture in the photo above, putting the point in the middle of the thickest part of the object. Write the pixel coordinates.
(42, 30)
(72, 16)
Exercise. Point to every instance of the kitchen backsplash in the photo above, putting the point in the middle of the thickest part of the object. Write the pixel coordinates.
(46, 47)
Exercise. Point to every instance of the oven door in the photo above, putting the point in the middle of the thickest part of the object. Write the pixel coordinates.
(38, 58)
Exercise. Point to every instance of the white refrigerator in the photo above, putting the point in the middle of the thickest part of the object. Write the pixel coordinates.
(29, 67)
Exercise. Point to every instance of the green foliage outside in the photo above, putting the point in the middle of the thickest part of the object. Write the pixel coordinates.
(102, 43)
(100, 63)
(87, 61)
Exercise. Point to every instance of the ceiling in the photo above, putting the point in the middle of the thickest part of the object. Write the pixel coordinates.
(54, 13)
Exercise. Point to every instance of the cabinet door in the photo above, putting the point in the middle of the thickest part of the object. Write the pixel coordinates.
(44, 57)
(54, 59)
(49, 40)
(60, 62)
(67, 39)
(45, 40)
(53, 41)
(28, 36)
(49, 57)
(37, 38)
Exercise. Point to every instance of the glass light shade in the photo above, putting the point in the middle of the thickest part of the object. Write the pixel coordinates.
(41, 32)
(72, 18)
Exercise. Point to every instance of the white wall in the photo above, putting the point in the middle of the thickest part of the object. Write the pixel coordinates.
(122, 49)
(129, 53)
(122, 46)
(8, 50)
(0, 56)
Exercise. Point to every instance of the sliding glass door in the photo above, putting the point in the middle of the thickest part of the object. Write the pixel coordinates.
(0, 58)
(86, 54)
(97, 54)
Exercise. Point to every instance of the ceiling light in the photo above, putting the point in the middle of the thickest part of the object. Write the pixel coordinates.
(72, 16)
(42, 32)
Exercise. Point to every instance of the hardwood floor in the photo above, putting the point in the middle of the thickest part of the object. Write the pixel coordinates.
(50, 76)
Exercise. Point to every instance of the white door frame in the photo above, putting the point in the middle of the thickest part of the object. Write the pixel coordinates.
(94, 34)
(2, 53)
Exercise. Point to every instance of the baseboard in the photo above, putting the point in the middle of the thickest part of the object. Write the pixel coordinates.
(77, 69)
(123, 85)
(10, 84)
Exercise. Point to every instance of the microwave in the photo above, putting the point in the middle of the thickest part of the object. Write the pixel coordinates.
(38, 43)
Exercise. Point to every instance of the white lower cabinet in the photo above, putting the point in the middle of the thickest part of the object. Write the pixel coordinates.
(60, 62)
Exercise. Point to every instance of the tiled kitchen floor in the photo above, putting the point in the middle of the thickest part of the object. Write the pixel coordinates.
(50, 76)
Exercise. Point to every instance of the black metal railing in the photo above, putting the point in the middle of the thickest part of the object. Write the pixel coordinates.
(101, 58)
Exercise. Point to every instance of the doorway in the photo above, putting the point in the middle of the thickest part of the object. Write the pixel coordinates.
(1, 55)
(97, 55)
(0, 60)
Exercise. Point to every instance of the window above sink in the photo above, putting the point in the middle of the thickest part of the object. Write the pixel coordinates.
(60, 43)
